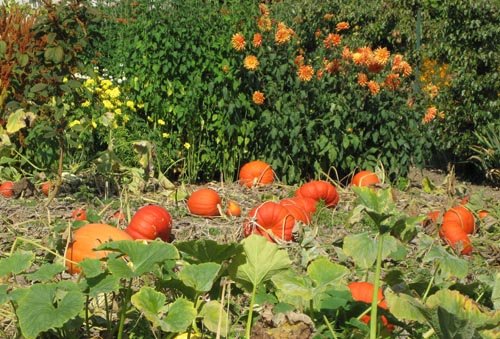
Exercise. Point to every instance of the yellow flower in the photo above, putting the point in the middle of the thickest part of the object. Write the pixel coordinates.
(86, 103)
(161, 122)
(187, 145)
(150, 119)
(107, 104)
(105, 83)
(130, 104)
(251, 62)
(165, 135)
(118, 111)
(65, 80)
(89, 83)
(94, 124)
(74, 123)
(140, 105)
(126, 118)
(113, 93)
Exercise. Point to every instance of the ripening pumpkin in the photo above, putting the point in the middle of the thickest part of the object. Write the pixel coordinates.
(455, 236)
(88, 237)
(482, 214)
(46, 187)
(296, 210)
(307, 204)
(270, 220)
(462, 216)
(256, 173)
(7, 189)
(150, 222)
(319, 190)
(363, 291)
(204, 202)
(79, 214)
(365, 178)
(233, 209)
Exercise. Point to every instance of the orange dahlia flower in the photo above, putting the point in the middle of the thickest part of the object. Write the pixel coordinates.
(392, 81)
(430, 115)
(264, 10)
(258, 97)
(238, 42)
(341, 26)
(331, 40)
(283, 34)
(299, 60)
(381, 55)
(305, 73)
(251, 62)
(374, 87)
(257, 40)
(264, 23)
(362, 79)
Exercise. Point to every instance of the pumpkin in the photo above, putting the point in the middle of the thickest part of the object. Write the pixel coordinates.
(462, 216)
(88, 237)
(431, 218)
(363, 291)
(7, 189)
(296, 210)
(118, 216)
(255, 173)
(390, 327)
(319, 190)
(455, 236)
(204, 202)
(482, 214)
(233, 209)
(307, 204)
(79, 214)
(270, 220)
(150, 222)
(365, 178)
(46, 187)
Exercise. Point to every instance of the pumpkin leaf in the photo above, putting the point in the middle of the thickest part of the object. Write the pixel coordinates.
(181, 313)
(293, 289)
(91, 267)
(206, 250)
(200, 277)
(362, 248)
(46, 272)
(48, 306)
(260, 260)
(214, 317)
(143, 256)
(495, 294)
(449, 264)
(17, 120)
(18, 262)
(151, 304)
(102, 283)
(324, 272)
(4, 297)
(405, 307)
(378, 204)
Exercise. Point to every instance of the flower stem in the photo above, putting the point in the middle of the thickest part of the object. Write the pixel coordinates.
(378, 266)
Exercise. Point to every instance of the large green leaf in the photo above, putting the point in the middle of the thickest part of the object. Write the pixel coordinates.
(151, 303)
(200, 277)
(324, 272)
(362, 248)
(102, 283)
(181, 314)
(293, 289)
(16, 263)
(405, 307)
(143, 256)
(206, 250)
(449, 265)
(260, 261)
(4, 297)
(378, 204)
(48, 306)
(214, 317)
(46, 272)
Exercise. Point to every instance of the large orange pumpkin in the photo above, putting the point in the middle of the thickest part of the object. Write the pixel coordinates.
(461, 215)
(7, 189)
(453, 233)
(270, 220)
(319, 190)
(204, 202)
(365, 178)
(88, 237)
(150, 222)
(363, 291)
(296, 210)
(307, 204)
(255, 173)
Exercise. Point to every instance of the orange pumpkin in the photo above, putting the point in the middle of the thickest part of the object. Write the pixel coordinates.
(204, 202)
(319, 190)
(365, 178)
(7, 189)
(482, 214)
(296, 210)
(233, 209)
(270, 220)
(307, 204)
(431, 218)
(150, 222)
(79, 214)
(46, 187)
(363, 291)
(462, 216)
(88, 237)
(455, 236)
(255, 173)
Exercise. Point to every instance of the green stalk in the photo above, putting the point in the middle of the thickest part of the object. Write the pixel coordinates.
(250, 312)
(87, 325)
(378, 266)
(123, 309)
(424, 297)
(329, 327)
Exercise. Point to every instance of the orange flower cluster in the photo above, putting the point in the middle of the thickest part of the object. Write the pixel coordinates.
(251, 62)
(331, 40)
(258, 97)
(342, 26)
(257, 40)
(305, 73)
(373, 86)
(401, 66)
(429, 115)
(238, 42)
(283, 34)
(264, 22)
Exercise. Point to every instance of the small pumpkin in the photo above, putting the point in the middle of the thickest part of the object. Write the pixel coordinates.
(298, 212)
(363, 291)
(461, 215)
(319, 190)
(455, 236)
(233, 209)
(270, 220)
(7, 189)
(365, 178)
(204, 202)
(46, 187)
(255, 173)
(150, 222)
(88, 237)
(79, 214)
(482, 214)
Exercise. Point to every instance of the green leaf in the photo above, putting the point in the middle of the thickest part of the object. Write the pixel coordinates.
(48, 306)
(91, 267)
(16, 263)
(38, 87)
(151, 303)
(378, 204)
(214, 317)
(362, 248)
(3, 48)
(449, 264)
(324, 272)
(103, 283)
(206, 250)
(4, 297)
(143, 257)
(260, 261)
(200, 277)
(293, 288)
(46, 272)
(181, 314)
(405, 307)
(495, 294)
